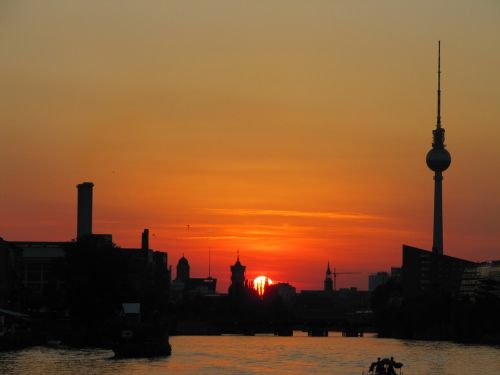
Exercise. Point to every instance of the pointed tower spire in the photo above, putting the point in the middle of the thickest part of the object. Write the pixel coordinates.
(238, 280)
(328, 283)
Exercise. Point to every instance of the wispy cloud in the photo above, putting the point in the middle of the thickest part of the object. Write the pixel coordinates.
(333, 215)
(215, 238)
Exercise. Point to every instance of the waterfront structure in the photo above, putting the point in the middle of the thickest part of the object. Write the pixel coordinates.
(330, 304)
(41, 267)
(438, 160)
(425, 271)
(144, 264)
(334, 305)
(481, 279)
(10, 274)
(42, 272)
(328, 283)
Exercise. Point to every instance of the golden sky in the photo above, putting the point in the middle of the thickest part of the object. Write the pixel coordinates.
(294, 131)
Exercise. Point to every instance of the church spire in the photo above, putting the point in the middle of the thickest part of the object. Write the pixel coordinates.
(328, 283)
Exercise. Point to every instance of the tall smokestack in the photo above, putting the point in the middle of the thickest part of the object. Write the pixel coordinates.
(84, 216)
(145, 240)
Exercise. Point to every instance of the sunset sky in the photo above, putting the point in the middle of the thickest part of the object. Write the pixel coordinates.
(294, 131)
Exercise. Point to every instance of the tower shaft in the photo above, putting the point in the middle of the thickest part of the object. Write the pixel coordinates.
(437, 238)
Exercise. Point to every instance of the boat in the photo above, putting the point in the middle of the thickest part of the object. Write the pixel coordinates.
(385, 366)
(140, 339)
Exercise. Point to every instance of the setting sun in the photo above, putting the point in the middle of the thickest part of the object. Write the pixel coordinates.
(260, 283)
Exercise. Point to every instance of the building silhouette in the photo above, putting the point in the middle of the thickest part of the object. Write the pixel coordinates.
(184, 283)
(41, 267)
(438, 159)
(376, 279)
(481, 280)
(10, 274)
(425, 271)
(182, 270)
(328, 283)
(285, 291)
(238, 280)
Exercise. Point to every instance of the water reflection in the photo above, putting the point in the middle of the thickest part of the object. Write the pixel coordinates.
(262, 355)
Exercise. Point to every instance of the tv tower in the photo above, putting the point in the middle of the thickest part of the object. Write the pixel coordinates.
(438, 159)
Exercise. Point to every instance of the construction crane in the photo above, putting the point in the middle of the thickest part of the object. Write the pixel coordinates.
(335, 273)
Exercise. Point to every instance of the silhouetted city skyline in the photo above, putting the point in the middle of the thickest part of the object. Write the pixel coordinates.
(239, 188)
(300, 133)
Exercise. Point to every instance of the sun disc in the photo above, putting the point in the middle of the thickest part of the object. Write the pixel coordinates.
(260, 283)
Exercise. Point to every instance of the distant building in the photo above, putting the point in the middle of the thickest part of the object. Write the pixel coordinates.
(42, 271)
(330, 304)
(425, 271)
(183, 270)
(286, 291)
(145, 265)
(185, 283)
(318, 304)
(238, 279)
(328, 283)
(10, 275)
(396, 273)
(482, 279)
(202, 285)
(376, 279)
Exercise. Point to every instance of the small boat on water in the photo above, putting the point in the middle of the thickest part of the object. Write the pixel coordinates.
(144, 340)
(385, 366)
(137, 338)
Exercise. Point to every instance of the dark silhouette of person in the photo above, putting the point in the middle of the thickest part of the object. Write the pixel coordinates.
(374, 366)
(379, 367)
(390, 369)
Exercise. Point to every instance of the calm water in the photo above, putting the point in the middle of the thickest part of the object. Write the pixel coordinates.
(263, 355)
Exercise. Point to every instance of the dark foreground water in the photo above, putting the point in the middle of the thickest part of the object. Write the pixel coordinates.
(219, 355)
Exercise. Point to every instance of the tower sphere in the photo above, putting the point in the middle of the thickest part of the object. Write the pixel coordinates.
(438, 159)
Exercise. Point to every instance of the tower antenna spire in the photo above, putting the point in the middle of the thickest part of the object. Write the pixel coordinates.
(439, 87)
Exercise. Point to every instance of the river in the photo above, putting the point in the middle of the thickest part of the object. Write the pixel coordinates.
(246, 355)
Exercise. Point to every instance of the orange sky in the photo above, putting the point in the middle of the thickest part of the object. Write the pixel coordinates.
(294, 131)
